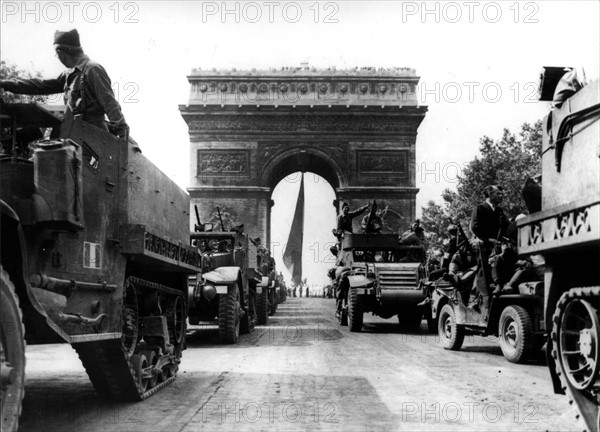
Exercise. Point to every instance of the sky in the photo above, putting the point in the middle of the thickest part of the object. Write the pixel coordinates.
(479, 64)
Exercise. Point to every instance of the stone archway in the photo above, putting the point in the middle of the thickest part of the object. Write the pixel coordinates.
(249, 129)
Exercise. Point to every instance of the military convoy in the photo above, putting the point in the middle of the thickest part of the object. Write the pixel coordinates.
(566, 232)
(94, 253)
(380, 276)
(237, 287)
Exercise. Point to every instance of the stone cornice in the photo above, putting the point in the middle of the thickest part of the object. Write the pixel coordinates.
(379, 122)
(377, 190)
(305, 72)
(304, 86)
(225, 189)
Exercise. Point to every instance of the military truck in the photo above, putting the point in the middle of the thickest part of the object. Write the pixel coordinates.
(94, 253)
(270, 281)
(514, 317)
(227, 290)
(380, 276)
(566, 232)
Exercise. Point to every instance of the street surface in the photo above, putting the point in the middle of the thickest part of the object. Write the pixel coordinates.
(304, 372)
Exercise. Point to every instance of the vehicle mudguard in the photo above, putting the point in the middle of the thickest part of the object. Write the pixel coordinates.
(359, 281)
(223, 275)
(18, 275)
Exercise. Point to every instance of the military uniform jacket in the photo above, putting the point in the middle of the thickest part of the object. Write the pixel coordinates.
(87, 91)
(488, 223)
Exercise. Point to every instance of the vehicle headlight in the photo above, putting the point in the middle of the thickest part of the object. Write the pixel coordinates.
(209, 291)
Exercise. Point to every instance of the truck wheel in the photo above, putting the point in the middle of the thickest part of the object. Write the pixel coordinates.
(249, 319)
(575, 341)
(12, 354)
(516, 334)
(451, 334)
(262, 307)
(355, 311)
(229, 315)
(272, 304)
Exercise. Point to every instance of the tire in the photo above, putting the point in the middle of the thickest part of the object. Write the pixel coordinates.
(139, 362)
(229, 315)
(12, 352)
(249, 318)
(516, 334)
(355, 311)
(262, 308)
(272, 304)
(343, 318)
(451, 334)
(152, 360)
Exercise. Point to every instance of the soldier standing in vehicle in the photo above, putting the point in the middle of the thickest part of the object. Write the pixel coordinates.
(489, 224)
(344, 220)
(86, 86)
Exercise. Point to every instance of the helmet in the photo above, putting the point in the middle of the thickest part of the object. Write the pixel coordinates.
(452, 229)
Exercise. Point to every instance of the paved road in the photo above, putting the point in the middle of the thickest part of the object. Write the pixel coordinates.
(303, 372)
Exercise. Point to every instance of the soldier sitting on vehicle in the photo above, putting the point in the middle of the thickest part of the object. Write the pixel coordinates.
(450, 249)
(462, 268)
(374, 225)
(506, 267)
(414, 236)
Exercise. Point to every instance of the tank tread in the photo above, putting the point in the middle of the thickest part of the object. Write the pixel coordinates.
(108, 367)
(587, 401)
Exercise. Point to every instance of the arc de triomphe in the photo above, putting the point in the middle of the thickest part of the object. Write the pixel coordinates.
(250, 129)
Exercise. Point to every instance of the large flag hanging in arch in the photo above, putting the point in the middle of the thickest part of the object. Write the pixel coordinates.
(292, 256)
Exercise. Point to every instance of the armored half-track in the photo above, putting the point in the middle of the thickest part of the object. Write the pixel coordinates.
(227, 290)
(94, 253)
(566, 232)
(381, 276)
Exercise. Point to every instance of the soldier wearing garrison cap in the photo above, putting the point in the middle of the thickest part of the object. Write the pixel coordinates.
(86, 86)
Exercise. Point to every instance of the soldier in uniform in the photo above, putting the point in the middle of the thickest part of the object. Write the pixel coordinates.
(450, 249)
(86, 86)
(344, 221)
(489, 224)
(374, 226)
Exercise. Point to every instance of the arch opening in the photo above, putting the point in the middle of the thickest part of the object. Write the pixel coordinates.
(303, 160)
(319, 220)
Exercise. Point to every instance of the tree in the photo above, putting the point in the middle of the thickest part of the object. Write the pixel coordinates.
(10, 71)
(434, 221)
(506, 162)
